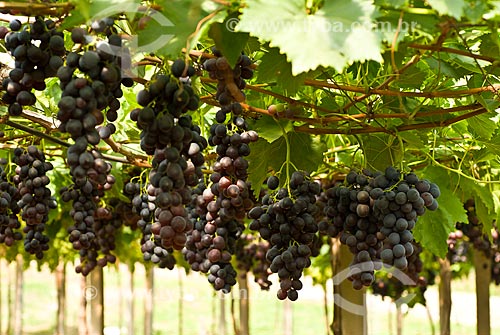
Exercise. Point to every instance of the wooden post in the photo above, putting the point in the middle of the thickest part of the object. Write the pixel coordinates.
(18, 303)
(399, 319)
(148, 301)
(336, 325)
(482, 266)
(181, 301)
(222, 314)
(234, 322)
(244, 304)
(444, 296)
(10, 303)
(61, 297)
(129, 302)
(352, 302)
(325, 308)
(95, 292)
(82, 311)
(287, 317)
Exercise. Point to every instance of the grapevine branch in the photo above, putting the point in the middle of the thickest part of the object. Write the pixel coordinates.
(370, 129)
(130, 158)
(360, 117)
(440, 48)
(415, 59)
(430, 95)
(56, 140)
(35, 132)
(135, 159)
(281, 97)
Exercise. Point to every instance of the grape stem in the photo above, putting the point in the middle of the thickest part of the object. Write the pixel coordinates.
(287, 160)
(197, 30)
(59, 141)
(460, 173)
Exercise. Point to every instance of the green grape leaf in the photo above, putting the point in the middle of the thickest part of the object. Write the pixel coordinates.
(453, 8)
(168, 30)
(476, 10)
(229, 43)
(493, 144)
(432, 229)
(490, 45)
(263, 156)
(414, 139)
(380, 150)
(306, 155)
(488, 101)
(329, 37)
(98, 9)
(269, 129)
(440, 66)
(482, 126)
(274, 67)
(412, 78)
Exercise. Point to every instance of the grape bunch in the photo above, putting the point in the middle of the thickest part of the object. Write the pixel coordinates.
(36, 199)
(251, 257)
(170, 135)
(91, 177)
(286, 219)
(457, 247)
(91, 80)
(106, 223)
(218, 212)
(415, 265)
(143, 204)
(374, 214)
(388, 285)
(230, 82)
(209, 247)
(9, 222)
(163, 120)
(474, 229)
(38, 50)
(217, 215)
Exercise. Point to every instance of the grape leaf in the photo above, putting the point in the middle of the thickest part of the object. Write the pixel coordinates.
(476, 10)
(380, 150)
(329, 37)
(493, 143)
(230, 43)
(443, 67)
(482, 126)
(306, 155)
(453, 8)
(274, 67)
(414, 139)
(98, 9)
(269, 129)
(263, 155)
(490, 45)
(413, 77)
(433, 227)
(167, 31)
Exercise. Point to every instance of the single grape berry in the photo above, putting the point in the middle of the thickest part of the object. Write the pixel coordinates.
(273, 182)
